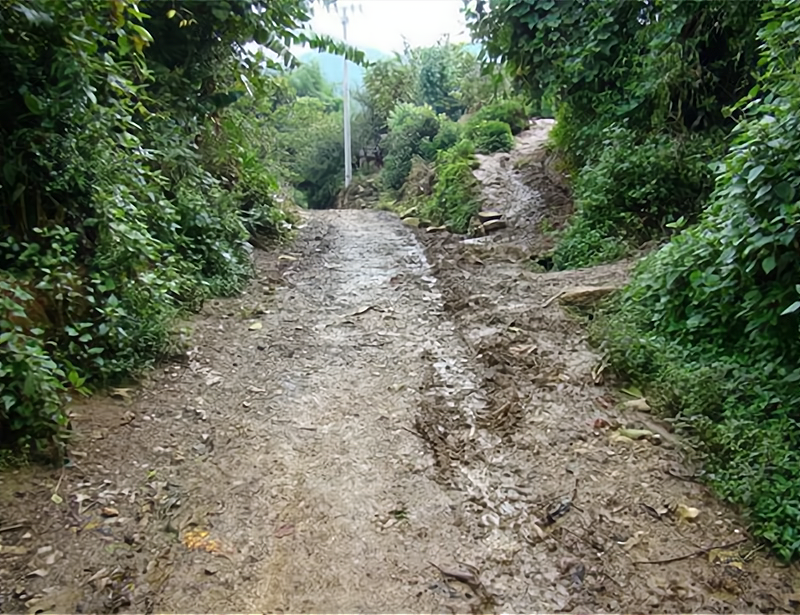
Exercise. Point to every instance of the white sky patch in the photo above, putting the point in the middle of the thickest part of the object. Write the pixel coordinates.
(382, 24)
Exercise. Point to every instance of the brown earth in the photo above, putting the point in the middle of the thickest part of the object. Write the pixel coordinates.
(379, 425)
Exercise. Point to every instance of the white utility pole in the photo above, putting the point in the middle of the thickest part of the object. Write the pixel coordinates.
(348, 154)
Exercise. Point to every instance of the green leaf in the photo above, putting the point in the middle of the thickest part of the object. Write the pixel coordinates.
(754, 173)
(33, 103)
(791, 309)
(768, 264)
(124, 45)
(785, 192)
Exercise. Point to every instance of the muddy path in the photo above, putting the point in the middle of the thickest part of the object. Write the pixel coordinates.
(525, 186)
(384, 422)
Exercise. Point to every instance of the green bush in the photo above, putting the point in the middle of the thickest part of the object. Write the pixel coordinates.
(490, 136)
(637, 185)
(710, 322)
(455, 194)
(513, 112)
(409, 126)
(130, 187)
(320, 167)
(448, 135)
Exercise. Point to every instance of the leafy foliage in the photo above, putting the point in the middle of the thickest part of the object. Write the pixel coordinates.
(712, 319)
(448, 135)
(455, 194)
(446, 77)
(319, 166)
(490, 136)
(661, 70)
(511, 111)
(307, 81)
(131, 181)
(409, 125)
(638, 185)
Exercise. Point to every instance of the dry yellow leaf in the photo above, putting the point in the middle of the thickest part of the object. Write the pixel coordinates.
(686, 512)
(637, 404)
(200, 540)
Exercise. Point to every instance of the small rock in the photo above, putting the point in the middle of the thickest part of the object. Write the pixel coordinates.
(494, 225)
(584, 296)
(411, 212)
(486, 216)
(109, 511)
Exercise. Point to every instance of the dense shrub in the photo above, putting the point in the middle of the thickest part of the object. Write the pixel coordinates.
(513, 112)
(409, 125)
(319, 167)
(663, 70)
(455, 193)
(637, 185)
(711, 321)
(490, 136)
(448, 135)
(131, 182)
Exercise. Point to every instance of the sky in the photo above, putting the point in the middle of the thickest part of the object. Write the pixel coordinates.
(382, 24)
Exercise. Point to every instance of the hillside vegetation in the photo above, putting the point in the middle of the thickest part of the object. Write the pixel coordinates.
(141, 147)
(677, 123)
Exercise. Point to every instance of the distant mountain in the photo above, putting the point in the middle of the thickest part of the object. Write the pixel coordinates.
(332, 67)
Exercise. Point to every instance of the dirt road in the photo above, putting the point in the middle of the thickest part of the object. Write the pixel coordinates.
(378, 426)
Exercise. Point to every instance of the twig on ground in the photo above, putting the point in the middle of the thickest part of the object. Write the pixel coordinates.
(14, 526)
(702, 551)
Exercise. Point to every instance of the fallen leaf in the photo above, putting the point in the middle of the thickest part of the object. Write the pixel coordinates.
(636, 434)
(109, 511)
(120, 393)
(616, 437)
(12, 550)
(634, 392)
(57, 499)
(256, 326)
(658, 513)
(284, 530)
(686, 512)
(39, 572)
(365, 309)
(213, 379)
(728, 558)
(539, 531)
(632, 541)
(637, 404)
(200, 540)
(286, 257)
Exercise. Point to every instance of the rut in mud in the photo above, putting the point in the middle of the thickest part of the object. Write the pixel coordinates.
(380, 426)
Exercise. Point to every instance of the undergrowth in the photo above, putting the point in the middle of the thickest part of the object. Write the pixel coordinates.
(133, 175)
(710, 322)
(635, 187)
(455, 194)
